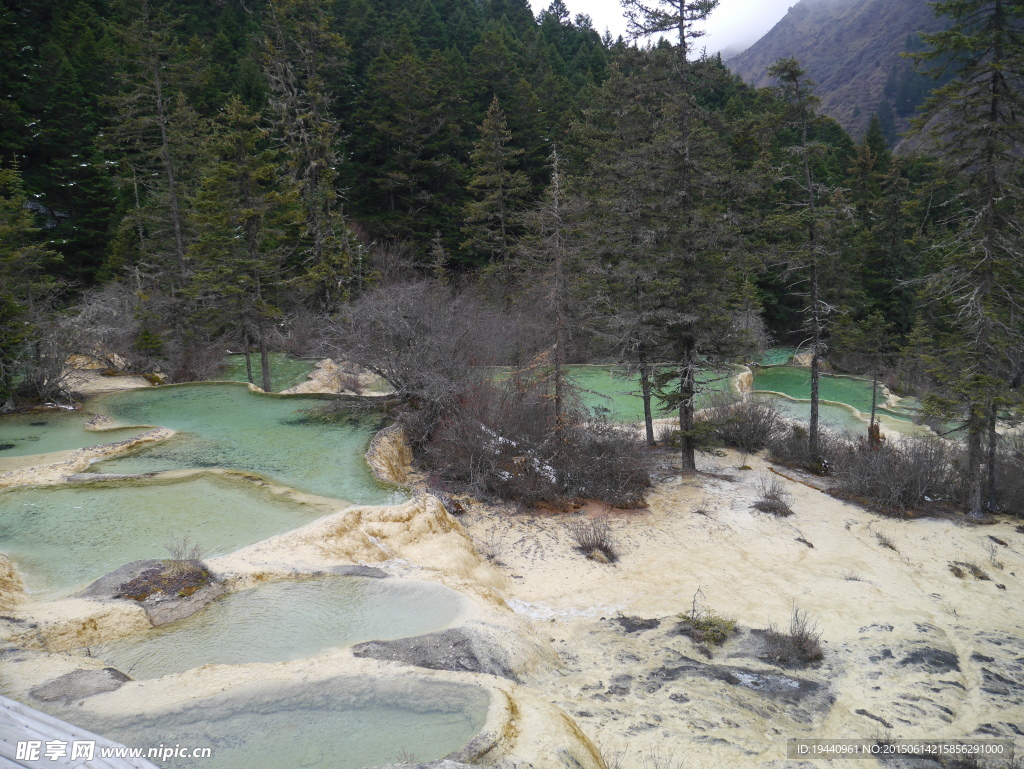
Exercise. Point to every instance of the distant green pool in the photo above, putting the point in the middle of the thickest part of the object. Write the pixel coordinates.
(229, 426)
(795, 381)
(611, 391)
(285, 371)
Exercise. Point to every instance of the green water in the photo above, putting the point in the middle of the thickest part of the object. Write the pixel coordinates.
(836, 418)
(229, 426)
(343, 723)
(608, 389)
(285, 371)
(795, 382)
(62, 538)
(776, 356)
(290, 620)
(42, 432)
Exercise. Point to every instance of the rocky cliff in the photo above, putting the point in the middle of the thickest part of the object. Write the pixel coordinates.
(852, 50)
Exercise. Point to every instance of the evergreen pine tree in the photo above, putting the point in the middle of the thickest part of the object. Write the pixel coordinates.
(975, 123)
(244, 219)
(498, 189)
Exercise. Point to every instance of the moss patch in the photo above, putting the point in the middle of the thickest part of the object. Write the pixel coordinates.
(178, 579)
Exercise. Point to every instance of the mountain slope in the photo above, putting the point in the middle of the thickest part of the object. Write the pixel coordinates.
(851, 48)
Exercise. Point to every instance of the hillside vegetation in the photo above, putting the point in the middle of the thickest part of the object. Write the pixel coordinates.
(852, 49)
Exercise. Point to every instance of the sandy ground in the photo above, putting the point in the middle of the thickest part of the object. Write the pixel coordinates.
(909, 647)
(85, 382)
(330, 377)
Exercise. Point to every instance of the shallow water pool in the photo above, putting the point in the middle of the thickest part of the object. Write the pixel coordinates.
(62, 538)
(22, 435)
(288, 620)
(836, 418)
(610, 390)
(229, 426)
(343, 723)
(795, 381)
(285, 371)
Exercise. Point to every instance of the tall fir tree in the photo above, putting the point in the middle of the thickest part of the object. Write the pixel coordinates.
(808, 220)
(975, 123)
(498, 187)
(304, 57)
(245, 218)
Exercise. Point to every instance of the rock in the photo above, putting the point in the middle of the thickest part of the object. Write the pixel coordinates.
(79, 684)
(172, 609)
(620, 685)
(457, 649)
(636, 624)
(444, 763)
(109, 585)
(768, 684)
(931, 660)
(160, 609)
(873, 717)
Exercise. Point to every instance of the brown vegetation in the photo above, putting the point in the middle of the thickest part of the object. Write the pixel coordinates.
(798, 647)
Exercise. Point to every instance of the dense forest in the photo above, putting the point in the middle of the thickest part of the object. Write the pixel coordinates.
(178, 177)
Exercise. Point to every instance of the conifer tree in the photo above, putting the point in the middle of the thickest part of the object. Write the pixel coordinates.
(304, 56)
(689, 229)
(549, 257)
(24, 287)
(244, 219)
(808, 221)
(498, 189)
(154, 132)
(975, 122)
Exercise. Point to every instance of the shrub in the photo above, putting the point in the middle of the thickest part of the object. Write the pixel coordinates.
(791, 448)
(746, 424)
(897, 477)
(773, 497)
(498, 439)
(1010, 475)
(797, 648)
(186, 556)
(708, 628)
(702, 625)
(593, 538)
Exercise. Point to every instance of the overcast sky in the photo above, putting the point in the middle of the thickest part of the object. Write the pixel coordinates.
(734, 24)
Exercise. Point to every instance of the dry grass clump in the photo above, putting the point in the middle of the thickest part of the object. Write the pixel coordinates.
(593, 538)
(798, 647)
(886, 541)
(186, 556)
(969, 568)
(773, 497)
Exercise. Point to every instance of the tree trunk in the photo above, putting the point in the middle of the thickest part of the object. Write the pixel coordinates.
(265, 362)
(645, 393)
(172, 191)
(874, 431)
(974, 457)
(248, 360)
(991, 500)
(687, 390)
